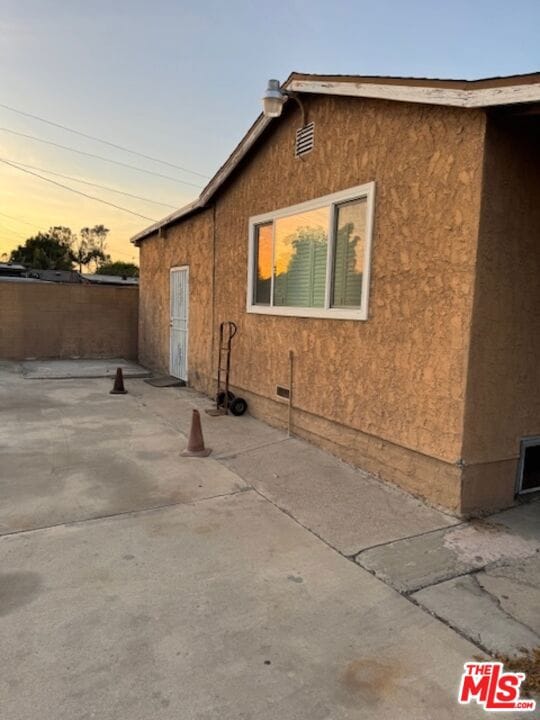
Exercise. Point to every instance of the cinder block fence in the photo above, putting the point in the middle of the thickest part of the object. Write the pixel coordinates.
(55, 320)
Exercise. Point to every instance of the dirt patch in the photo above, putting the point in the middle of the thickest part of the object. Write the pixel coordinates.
(528, 663)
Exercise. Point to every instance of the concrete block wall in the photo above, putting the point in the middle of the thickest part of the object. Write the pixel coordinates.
(55, 320)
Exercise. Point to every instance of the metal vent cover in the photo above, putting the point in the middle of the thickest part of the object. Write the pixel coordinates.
(304, 140)
(282, 392)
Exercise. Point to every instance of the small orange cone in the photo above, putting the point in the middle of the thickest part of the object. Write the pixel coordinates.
(118, 387)
(195, 447)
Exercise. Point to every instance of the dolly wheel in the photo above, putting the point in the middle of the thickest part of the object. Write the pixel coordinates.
(220, 399)
(238, 406)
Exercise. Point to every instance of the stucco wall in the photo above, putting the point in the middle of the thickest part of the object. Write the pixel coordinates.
(392, 386)
(503, 396)
(55, 320)
(188, 243)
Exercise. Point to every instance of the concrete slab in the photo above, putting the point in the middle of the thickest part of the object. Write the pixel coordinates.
(62, 369)
(497, 608)
(523, 520)
(227, 435)
(411, 564)
(516, 589)
(341, 504)
(347, 508)
(70, 451)
(223, 609)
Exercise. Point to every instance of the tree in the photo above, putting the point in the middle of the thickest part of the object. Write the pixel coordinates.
(60, 248)
(83, 254)
(125, 269)
(91, 247)
(96, 237)
(46, 250)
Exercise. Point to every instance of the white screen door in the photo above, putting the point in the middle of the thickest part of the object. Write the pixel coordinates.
(179, 322)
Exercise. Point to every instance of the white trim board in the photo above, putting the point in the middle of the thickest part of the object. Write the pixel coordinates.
(479, 97)
(474, 98)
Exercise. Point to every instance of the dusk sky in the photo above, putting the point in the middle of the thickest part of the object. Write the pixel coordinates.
(182, 81)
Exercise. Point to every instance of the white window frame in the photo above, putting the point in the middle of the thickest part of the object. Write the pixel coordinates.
(359, 192)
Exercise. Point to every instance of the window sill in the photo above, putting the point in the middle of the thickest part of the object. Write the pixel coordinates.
(326, 314)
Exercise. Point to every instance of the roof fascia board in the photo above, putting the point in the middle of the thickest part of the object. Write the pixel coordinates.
(451, 97)
(176, 215)
(238, 154)
(474, 98)
(242, 149)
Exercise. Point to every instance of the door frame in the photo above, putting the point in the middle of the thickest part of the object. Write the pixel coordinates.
(176, 268)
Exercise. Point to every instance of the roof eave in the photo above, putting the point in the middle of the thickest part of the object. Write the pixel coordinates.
(168, 220)
(465, 94)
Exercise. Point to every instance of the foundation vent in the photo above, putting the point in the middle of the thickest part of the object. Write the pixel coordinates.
(304, 140)
(529, 465)
(282, 392)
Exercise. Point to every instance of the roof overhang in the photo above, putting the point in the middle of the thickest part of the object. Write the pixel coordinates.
(475, 97)
(241, 150)
(486, 93)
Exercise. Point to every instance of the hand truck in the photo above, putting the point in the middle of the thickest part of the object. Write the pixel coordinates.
(226, 401)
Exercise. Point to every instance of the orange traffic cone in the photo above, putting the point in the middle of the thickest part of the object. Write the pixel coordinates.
(195, 447)
(118, 387)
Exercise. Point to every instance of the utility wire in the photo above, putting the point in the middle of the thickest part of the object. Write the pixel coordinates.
(78, 192)
(40, 228)
(99, 157)
(105, 142)
(7, 229)
(87, 182)
(12, 217)
(131, 255)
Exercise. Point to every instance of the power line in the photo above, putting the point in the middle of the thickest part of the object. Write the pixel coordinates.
(41, 229)
(25, 222)
(99, 157)
(7, 229)
(87, 182)
(105, 142)
(78, 192)
(131, 256)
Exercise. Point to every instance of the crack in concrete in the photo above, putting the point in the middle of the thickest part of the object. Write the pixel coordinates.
(473, 640)
(123, 514)
(246, 451)
(138, 399)
(409, 537)
(497, 602)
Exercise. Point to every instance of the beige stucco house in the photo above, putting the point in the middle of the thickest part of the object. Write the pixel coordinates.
(393, 245)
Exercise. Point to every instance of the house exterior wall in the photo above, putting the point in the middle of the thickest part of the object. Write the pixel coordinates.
(57, 320)
(387, 394)
(188, 243)
(503, 397)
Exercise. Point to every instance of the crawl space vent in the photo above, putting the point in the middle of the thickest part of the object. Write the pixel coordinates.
(282, 392)
(529, 465)
(304, 140)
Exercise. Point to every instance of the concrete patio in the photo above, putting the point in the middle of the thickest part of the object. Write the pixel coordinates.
(269, 580)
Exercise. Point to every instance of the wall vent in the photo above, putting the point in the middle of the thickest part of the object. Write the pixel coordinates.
(529, 465)
(304, 140)
(282, 392)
